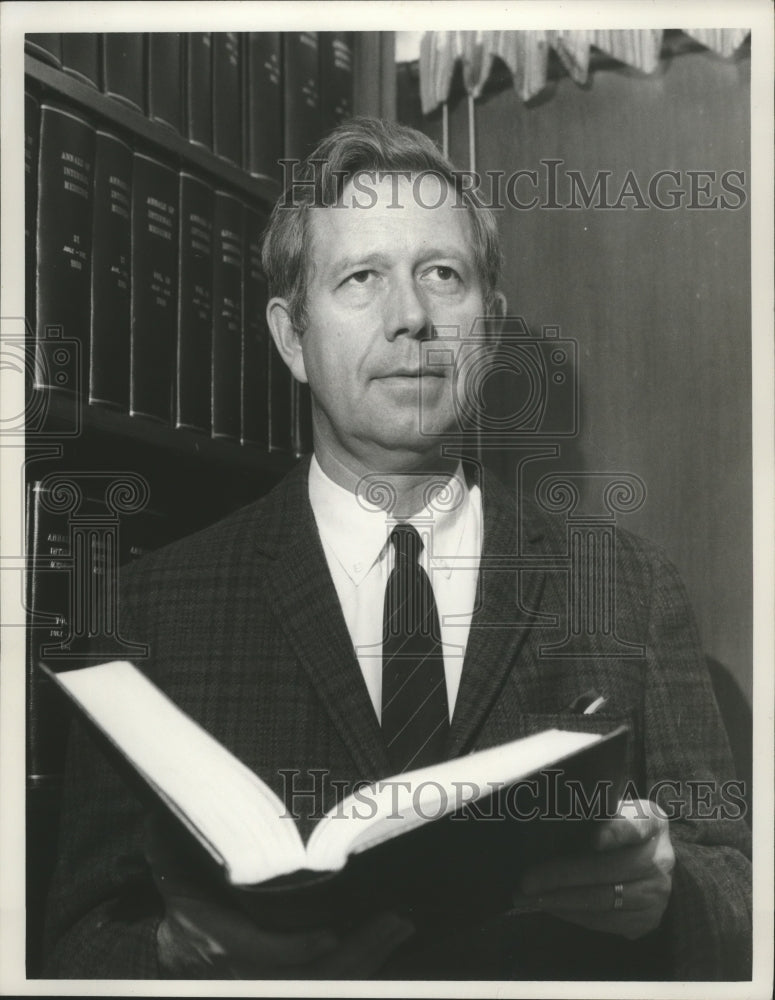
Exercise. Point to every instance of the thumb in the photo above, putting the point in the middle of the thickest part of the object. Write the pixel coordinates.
(636, 821)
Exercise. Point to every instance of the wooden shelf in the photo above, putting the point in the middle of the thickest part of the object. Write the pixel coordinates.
(141, 132)
(97, 422)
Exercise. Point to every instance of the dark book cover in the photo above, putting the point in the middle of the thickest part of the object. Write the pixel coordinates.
(446, 843)
(48, 623)
(142, 532)
(31, 137)
(195, 305)
(123, 67)
(51, 600)
(228, 268)
(64, 250)
(263, 106)
(198, 89)
(81, 55)
(255, 358)
(154, 296)
(111, 278)
(302, 418)
(336, 77)
(165, 78)
(227, 87)
(301, 77)
(45, 46)
(280, 402)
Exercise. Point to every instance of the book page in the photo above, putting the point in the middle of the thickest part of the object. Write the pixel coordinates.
(235, 815)
(396, 805)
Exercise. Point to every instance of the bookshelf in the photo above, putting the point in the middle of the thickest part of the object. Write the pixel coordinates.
(191, 477)
(137, 127)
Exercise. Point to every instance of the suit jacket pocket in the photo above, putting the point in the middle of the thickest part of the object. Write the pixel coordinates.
(519, 724)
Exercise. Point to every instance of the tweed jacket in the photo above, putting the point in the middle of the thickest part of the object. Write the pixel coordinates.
(244, 631)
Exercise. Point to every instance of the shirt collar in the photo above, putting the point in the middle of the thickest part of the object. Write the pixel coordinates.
(357, 532)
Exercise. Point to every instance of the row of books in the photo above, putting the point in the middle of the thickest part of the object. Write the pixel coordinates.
(145, 288)
(250, 97)
(69, 582)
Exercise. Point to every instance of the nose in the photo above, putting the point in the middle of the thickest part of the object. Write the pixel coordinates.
(406, 313)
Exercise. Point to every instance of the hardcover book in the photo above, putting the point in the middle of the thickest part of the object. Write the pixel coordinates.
(123, 67)
(255, 356)
(263, 104)
(111, 289)
(81, 55)
(31, 137)
(227, 88)
(64, 245)
(301, 402)
(199, 88)
(228, 276)
(301, 110)
(165, 78)
(195, 305)
(280, 402)
(336, 77)
(449, 841)
(154, 287)
(46, 46)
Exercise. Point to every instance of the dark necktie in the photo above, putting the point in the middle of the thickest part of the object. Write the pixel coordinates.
(415, 716)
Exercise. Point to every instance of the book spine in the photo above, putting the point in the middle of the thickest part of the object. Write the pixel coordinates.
(81, 56)
(199, 88)
(255, 359)
(195, 305)
(227, 85)
(165, 78)
(64, 238)
(280, 402)
(154, 268)
(263, 103)
(301, 429)
(336, 77)
(301, 115)
(145, 531)
(48, 616)
(123, 61)
(45, 46)
(31, 137)
(110, 285)
(228, 257)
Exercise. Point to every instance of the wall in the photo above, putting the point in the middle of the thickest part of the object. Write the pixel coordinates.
(658, 300)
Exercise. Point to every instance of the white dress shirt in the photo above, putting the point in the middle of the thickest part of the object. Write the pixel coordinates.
(355, 537)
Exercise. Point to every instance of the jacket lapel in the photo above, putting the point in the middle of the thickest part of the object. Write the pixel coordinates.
(500, 624)
(303, 595)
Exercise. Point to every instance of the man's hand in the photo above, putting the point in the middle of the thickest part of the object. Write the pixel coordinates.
(633, 851)
(202, 938)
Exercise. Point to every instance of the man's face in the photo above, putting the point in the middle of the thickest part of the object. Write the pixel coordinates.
(382, 279)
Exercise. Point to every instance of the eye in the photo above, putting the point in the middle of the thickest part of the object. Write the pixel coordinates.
(360, 277)
(442, 278)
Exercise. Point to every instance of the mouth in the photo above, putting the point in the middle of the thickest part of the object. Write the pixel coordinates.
(411, 373)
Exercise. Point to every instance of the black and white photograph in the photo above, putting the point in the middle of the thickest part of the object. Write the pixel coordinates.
(387, 499)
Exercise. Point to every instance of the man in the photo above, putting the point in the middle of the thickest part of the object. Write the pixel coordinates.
(273, 630)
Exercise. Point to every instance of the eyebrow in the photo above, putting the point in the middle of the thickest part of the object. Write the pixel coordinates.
(361, 262)
(456, 253)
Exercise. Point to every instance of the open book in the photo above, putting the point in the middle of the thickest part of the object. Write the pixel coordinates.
(470, 815)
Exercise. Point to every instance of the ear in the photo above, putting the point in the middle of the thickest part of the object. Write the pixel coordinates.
(286, 337)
